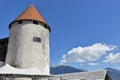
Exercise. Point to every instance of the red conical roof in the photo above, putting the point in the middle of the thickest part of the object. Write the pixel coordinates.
(30, 14)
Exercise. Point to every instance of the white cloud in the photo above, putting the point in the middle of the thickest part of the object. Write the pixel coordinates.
(93, 64)
(118, 68)
(89, 53)
(112, 58)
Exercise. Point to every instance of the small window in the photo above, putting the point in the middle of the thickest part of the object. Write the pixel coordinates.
(35, 22)
(20, 22)
(46, 27)
(36, 39)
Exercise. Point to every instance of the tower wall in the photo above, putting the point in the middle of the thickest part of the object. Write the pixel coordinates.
(24, 50)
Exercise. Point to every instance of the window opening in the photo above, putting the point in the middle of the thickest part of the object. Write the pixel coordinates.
(20, 22)
(36, 39)
(35, 22)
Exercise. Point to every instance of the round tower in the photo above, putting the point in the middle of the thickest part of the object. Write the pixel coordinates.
(29, 41)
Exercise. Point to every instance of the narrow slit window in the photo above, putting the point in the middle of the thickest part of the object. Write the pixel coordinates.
(36, 39)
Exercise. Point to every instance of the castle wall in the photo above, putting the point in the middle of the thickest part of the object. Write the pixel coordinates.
(23, 51)
(3, 50)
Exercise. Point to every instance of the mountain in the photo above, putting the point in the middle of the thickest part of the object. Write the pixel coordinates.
(62, 69)
(113, 73)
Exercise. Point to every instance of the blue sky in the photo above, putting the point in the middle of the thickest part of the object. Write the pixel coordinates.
(85, 33)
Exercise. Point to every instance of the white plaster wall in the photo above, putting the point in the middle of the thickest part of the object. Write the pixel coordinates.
(23, 52)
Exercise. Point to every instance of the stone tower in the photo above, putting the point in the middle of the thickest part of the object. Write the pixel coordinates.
(28, 44)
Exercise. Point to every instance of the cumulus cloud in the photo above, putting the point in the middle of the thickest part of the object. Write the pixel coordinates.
(89, 53)
(112, 58)
(93, 64)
